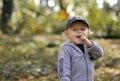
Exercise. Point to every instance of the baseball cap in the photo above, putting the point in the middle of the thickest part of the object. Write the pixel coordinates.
(76, 18)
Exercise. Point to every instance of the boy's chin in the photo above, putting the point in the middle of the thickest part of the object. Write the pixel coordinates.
(79, 43)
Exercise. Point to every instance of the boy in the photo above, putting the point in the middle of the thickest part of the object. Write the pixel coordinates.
(76, 57)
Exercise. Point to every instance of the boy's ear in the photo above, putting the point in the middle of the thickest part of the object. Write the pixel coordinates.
(66, 33)
(90, 32)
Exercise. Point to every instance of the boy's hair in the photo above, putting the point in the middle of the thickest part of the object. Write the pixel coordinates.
(76, 18)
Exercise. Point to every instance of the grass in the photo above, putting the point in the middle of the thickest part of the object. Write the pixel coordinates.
(34, 58)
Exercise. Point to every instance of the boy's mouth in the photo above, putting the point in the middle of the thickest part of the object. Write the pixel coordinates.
(79, 36)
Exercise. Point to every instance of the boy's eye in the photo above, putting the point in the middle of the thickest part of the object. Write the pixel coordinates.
(74, 29)
(83, 29)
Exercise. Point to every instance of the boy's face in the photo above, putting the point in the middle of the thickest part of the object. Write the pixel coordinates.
(76, 31)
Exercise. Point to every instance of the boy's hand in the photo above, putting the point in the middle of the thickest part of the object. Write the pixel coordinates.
(85, 40)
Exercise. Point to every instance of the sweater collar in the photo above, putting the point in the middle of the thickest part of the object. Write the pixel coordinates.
(69, 43)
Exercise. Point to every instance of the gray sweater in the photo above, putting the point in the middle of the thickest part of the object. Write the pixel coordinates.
(73, 65)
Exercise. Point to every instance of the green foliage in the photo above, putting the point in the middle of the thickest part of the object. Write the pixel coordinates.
(101, 22)
(43, 17)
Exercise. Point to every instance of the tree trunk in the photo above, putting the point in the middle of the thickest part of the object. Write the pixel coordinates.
(6, 15)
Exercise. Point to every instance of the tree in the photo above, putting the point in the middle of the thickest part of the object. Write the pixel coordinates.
(6, 15)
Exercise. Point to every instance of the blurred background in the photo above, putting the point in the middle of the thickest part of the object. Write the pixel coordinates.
(31, 36)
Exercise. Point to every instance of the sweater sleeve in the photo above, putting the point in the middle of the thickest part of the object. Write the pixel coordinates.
(95, 51)
(64, 64)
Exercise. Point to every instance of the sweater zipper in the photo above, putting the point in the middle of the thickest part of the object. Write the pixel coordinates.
(85, 63)
(86, 67)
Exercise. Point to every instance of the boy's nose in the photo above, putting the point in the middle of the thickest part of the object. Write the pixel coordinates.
(79, 31)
